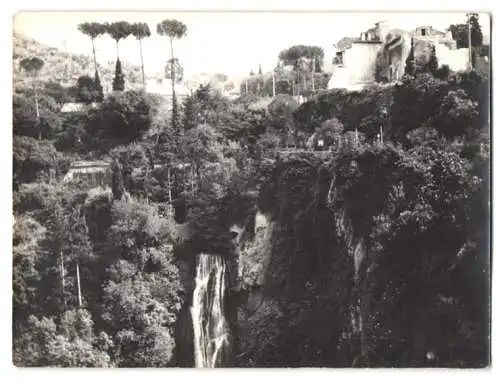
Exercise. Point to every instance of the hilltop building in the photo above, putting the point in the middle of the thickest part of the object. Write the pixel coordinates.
(381, 52)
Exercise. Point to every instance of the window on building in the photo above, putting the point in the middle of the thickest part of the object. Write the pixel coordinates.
(423, 32)
(339, 58)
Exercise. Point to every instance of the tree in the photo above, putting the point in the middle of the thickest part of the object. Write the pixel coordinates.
(87, 91)
(457, 113)
(93, 30)
(410, 60)
(27, 234)
(34, 160)
(475, 30)
(140, 31)
(117, 180)
(32, 66)
(302, 57)
(99, 96)
(118, 31)
(433, 65)
(173, 29)
(119, 78)
(123, 116)
(71, 343)
(175, 115)
(143, 295)
(281, 110)
(204, 106)
(199, 145)
(25, 121)
(143, 339)
(460, 32)
(476, 35)
(260, 69)
(189, 108)
(66, 248)
(443, 72)
(131, 158)
(292, 55)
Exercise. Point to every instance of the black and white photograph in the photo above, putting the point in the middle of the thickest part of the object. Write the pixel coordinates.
(251, 189)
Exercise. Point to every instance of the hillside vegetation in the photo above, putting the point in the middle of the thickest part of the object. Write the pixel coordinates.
(58, 63)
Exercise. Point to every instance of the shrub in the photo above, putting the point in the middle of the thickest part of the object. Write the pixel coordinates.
(123, 116)
(35, 160)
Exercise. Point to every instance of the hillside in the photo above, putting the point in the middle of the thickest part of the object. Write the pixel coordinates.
(59, 68)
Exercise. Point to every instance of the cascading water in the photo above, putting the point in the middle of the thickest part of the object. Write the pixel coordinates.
(211, 330)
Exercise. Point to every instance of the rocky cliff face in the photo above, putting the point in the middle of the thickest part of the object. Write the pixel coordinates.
(253, 253)
(356, 270)
(250, 306)
(289, 308)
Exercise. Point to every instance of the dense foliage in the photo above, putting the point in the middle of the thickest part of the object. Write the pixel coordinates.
(405, 234)
(454, 107)
(122, 253)
(460, 32)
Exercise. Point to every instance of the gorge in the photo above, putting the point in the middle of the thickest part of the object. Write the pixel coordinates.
(321, 277)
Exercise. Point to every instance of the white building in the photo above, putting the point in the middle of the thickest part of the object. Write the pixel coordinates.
(356, 59)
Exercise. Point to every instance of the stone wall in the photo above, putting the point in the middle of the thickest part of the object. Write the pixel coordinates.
(93, 174)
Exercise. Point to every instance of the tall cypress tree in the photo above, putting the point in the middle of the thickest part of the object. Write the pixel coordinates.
(189, 113)
(433, 65)
(99, 93)
(476, 35)
(175, 117)
(202, 93)
(117, 185)
(119, 79)
(410, 60)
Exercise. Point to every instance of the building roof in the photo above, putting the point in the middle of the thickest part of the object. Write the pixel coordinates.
(434, 31)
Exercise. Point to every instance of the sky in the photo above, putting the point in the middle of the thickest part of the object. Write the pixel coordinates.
(220, 42)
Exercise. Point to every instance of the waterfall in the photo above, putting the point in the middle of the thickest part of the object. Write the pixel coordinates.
(211, 331)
